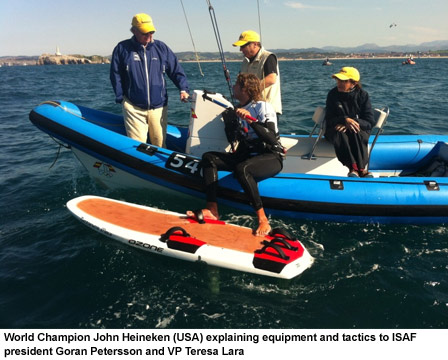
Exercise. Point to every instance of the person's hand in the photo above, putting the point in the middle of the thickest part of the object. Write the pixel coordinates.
(184, 96)
(340, 128)
(243, 113)
(352, 125)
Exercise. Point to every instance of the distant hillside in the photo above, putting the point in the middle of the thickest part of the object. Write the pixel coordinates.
(373, 48)
(18, 60)
(207, 56)
(432, 48)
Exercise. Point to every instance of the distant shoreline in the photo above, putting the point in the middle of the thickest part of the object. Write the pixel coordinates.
(6, 61)
(330, 58)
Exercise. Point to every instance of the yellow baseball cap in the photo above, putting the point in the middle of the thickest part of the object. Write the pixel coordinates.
(246, 37)
(143, 23)
(347, 73)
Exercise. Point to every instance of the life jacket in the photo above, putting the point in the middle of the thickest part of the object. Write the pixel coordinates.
(235, 133)
(272, 93)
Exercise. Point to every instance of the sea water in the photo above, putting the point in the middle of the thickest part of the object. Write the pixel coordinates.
(57, 273)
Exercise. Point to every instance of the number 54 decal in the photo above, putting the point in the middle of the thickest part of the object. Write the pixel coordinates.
(184, 164)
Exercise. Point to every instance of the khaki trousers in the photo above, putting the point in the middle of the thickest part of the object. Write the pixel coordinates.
(139, 122)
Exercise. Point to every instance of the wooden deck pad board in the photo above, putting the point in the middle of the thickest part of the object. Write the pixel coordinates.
(157, 223)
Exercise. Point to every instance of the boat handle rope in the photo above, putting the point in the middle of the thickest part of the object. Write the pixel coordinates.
(59, 151)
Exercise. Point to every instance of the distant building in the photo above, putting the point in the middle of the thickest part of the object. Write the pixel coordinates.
(58, 53)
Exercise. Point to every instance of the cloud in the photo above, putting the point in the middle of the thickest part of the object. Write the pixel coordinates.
(419, 34)
(298, 5)
(425, 30)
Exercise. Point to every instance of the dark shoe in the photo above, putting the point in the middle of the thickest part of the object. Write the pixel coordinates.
(367, 174)
(353, 173)
(201, 215)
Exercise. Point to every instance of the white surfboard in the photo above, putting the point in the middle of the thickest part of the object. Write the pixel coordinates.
(172, 234)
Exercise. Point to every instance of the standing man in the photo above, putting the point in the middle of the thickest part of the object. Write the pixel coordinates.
(137, 74)
(263, 64)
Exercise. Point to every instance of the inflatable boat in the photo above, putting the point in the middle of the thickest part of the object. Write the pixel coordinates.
(312, 185)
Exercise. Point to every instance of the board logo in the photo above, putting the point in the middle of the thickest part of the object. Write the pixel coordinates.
(145, 245)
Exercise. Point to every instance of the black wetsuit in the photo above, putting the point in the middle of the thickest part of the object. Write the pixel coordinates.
(254, 160)
(351, 148)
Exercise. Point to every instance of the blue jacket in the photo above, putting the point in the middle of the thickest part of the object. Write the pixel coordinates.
(145, 86)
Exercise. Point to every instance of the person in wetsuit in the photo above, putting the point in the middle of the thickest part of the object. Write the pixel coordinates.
(349, 120)
(259, 154)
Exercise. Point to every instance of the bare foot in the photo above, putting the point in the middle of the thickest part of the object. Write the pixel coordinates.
(263, 229)
(263, 223)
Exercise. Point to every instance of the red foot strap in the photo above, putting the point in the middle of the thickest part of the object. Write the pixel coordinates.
(178, 239)
(206, 221)
(199, 218)
(277, 253)
(187, 244)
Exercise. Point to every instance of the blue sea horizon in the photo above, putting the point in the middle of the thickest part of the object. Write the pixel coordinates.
(57, 273)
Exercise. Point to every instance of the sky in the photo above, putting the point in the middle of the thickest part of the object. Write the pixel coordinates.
(94, 27)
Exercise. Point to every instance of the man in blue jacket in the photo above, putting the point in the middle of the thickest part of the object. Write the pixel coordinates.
(137, 74)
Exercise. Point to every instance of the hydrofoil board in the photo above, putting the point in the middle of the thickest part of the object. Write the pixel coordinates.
(214, 242)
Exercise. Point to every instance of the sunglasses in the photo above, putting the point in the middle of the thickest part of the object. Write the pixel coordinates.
(147, 34)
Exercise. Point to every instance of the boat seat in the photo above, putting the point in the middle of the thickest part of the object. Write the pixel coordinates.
(380, 116)
(319, 123)
(318, 119)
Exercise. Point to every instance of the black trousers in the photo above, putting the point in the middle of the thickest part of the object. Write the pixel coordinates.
(351, 148)
(247, 170)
